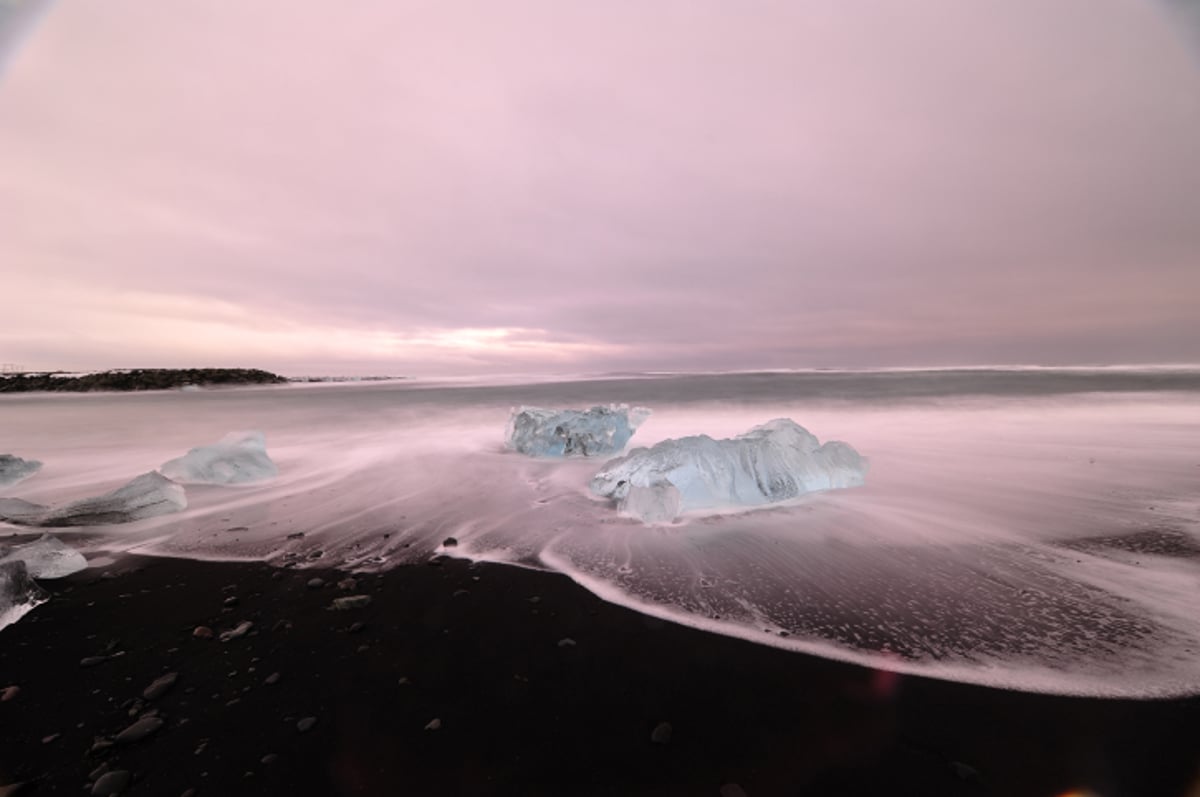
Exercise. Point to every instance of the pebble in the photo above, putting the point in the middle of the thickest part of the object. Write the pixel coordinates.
(449, 542)
(316, 583)
(269, 758)
(305, 725)
(92, 661)
(566, 642)
(238, 632)
(348, 584)
(160, 686)
(272, 678)
(111, 783)
(139, 730)
(661, 733)
(8, 693)
(203, 632)
(434, 724)
(232, 600)
(50, 738)
(351, 602)
(295, 535)
(356, 627)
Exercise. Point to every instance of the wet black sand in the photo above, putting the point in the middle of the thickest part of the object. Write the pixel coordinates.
(522, 712)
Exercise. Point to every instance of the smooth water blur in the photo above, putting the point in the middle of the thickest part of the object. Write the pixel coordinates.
(1037, 530)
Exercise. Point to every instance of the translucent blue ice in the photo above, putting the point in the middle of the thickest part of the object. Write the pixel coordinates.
(770, 463)
(237, 458)
(599, 431)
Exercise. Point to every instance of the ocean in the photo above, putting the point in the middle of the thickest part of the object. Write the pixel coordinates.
(1033, 529)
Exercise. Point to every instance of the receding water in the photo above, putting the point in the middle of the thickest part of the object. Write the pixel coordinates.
(1036, 530)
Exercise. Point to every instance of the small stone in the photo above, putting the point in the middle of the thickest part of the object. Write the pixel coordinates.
(351, 602)
(733, 790)
(139, 730)
(316, 582)
(97, 772)
(238, 632)
(566, 642)
(356, 627)
(202, 632)
(461, 593)
(661, 733)
(271, 679)
(160, 686)
(50, 738)
(92, 661)
(295, 535)
(8, 693)
(449, 542)
(111, 783)
(434, 724)
(305, 725)
(348, 584)
(232, 600)
(269, 758)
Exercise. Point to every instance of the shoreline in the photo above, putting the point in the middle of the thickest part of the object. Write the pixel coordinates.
(539, 687)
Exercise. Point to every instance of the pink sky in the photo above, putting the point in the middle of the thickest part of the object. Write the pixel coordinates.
(392, 186)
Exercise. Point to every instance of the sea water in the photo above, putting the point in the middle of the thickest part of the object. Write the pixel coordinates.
(1030, 529)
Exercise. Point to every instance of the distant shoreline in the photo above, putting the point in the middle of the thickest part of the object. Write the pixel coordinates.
(135, 379)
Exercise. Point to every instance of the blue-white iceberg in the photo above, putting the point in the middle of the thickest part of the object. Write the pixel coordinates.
(237, 458)
(770, 463)
(599, 431)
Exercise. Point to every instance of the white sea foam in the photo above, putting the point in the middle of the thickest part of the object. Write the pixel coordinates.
(1010, 533)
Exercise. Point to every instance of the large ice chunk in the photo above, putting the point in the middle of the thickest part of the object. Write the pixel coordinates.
(45, 557)
(14, 469)
(773, 462)
(149, 495)
(237, 458)
(18, 592)
(559, 433)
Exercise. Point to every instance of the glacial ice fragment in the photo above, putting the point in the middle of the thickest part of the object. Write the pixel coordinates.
(773, 462)
(559, 433)
(13, 469)
(18, 592)
(237, 458)
(149, 495)
(45, 557)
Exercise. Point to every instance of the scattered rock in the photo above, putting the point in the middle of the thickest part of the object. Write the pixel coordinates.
(316, 582)
(295, 535)
(351, 602)
(8, 693)
(348, 584)
(271, 679)
(461, 593)
(305, 725)
(111, 783)
(203, 632)
(434, 724)
(232, 600)
(139, 730)
(238, 632)
(356, 627)
(50, 738)
(160, 686)
(92, 661)
(269, 758)
(661, 733)
(567, 642)
(449, 542)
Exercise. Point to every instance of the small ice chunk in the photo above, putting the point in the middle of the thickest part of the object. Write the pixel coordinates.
(149, 495)
(14, 469)
(773, 462)
(18, 592)
(238, 457)
(560, 433)
(45, 557)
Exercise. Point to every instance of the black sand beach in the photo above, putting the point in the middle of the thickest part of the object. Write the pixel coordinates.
(539, 688)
